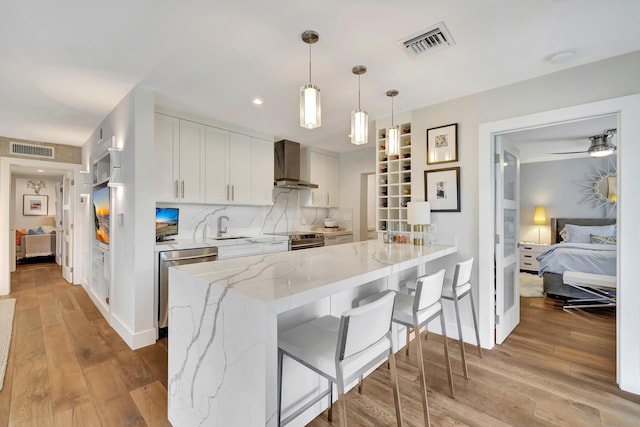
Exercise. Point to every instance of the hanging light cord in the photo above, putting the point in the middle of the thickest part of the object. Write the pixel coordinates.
(358, 91)
(392, 111)
(309, 62)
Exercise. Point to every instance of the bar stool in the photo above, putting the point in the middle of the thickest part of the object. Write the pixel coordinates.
(341, 350)
(417, 310)
(456, 289)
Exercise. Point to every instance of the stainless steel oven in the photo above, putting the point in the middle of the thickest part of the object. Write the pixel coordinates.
(305, 241)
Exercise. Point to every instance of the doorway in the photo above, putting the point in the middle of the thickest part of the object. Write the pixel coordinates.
(627, 109)
(10, 166)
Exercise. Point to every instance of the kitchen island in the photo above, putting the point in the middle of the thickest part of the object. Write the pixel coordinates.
(224, 318)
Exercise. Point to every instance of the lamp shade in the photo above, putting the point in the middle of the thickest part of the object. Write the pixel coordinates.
(540, 215)
(419, 213)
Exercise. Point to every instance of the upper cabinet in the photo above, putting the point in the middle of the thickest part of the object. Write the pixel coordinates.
(180, 158)
(211, 165)
(321, 169)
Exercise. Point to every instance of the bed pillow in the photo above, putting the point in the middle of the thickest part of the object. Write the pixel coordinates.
(19, 234)
(582, 233)
(604, 240)
(39, 230)
(48, 229)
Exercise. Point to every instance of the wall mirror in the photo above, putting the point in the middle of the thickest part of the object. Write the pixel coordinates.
(602, 189)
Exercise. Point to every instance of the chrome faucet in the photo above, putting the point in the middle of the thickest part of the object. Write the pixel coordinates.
(221, 230)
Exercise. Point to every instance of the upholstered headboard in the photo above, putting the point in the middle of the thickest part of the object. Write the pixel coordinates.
(557, 224)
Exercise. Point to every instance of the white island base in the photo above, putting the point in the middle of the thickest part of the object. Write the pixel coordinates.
(224, 318)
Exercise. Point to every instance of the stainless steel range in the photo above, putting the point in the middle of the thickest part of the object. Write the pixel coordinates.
(302, 239)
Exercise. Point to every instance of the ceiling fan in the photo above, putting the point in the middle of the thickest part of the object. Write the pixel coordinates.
(601, 145)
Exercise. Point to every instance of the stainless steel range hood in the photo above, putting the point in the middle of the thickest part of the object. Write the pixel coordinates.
(286, 166)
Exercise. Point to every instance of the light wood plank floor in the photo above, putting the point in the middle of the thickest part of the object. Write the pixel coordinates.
(67, 367)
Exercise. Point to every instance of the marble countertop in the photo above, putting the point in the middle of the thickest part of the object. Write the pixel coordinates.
(286, 279)
(173, 245)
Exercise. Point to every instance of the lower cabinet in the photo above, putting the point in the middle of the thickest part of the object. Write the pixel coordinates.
(248, 249)
(338, 239)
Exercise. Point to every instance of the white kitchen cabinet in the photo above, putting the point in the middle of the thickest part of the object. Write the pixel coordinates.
(217, 166)
(239, 168)
(321, 169)
(179, 151)
(261, 172)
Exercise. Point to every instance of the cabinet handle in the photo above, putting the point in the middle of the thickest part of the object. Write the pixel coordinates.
(227, 191)
(183, 188)
(327, 199)
(177, 194)
(233, 192)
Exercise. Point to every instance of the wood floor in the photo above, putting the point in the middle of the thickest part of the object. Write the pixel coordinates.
(67, 367)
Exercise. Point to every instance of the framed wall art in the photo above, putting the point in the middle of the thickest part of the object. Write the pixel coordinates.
(442, 189)
(35, 204)
(442, 144)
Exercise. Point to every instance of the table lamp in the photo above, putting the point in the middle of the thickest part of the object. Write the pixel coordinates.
(539, 218)
(418, 215)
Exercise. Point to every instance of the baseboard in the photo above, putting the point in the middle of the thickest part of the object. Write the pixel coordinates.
(133, 340)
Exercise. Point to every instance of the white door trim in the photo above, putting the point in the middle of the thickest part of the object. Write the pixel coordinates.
(628, 317)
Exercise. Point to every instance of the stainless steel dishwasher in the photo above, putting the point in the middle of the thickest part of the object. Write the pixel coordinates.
(170, 259)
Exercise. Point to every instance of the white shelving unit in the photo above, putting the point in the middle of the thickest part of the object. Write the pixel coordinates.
(100, 284)
(393, 175)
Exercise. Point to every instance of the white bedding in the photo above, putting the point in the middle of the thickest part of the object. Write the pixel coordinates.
(583, 257)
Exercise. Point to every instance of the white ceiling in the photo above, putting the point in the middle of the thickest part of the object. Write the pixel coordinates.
(540, 144)
(64, 65)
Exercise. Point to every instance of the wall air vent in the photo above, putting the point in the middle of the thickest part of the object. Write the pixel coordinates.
(30, 150)
(429, 40)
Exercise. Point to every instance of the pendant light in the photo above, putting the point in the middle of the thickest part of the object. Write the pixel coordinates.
(310, 116)
(359, 118)
(393, 133)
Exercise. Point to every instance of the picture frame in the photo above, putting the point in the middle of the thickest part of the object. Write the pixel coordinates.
(35, 204)
(442, 144)
(442, 189)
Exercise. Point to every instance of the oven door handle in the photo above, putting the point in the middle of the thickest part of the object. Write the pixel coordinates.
(307, 245)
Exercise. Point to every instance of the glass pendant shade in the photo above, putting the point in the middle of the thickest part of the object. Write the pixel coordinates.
(310, 114)
(393, 141)
(359, 127)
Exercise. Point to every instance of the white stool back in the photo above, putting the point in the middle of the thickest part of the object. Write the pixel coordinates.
(362, 327)
(462, 274)
(428, 290)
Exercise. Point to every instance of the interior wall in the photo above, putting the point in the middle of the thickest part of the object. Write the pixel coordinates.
(555, 185)
(352, 165)
(132, 215)
(33, 221)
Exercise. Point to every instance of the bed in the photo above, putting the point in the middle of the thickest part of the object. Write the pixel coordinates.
(36, 245)
(582, 257)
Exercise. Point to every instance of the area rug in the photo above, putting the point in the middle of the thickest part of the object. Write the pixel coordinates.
(530, 285)
(7, 308)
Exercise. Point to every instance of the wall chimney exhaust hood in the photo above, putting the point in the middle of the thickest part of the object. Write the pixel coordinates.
(286, 166)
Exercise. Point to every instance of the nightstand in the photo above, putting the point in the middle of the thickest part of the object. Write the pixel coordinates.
(528, 254)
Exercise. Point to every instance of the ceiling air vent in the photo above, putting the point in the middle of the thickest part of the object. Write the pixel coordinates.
(433, 38)
(41, 151)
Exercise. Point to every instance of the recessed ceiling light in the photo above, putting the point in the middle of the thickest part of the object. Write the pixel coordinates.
(40, 170)
(257, 101)
(561, 57)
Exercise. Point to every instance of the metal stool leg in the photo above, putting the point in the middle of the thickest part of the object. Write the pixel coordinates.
(408, 340)
(423, 383)
(330, 414)
(475, 322)
(396, 388)
(280, 356)
(462, 353)
(446, 353)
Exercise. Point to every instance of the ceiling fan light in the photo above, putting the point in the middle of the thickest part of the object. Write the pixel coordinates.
(601, 146)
